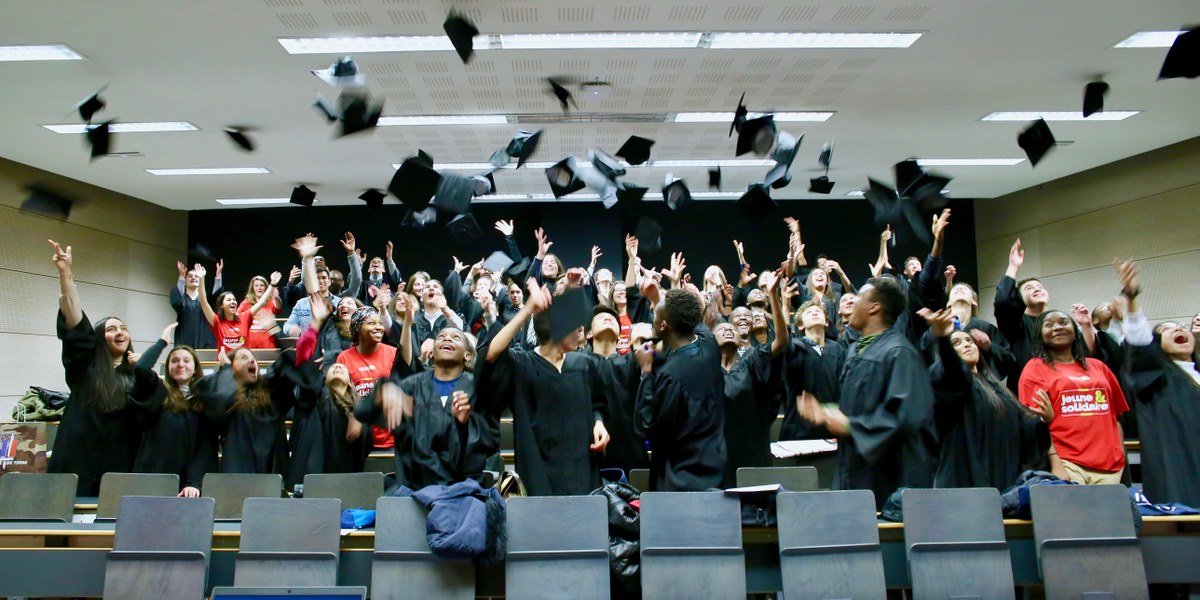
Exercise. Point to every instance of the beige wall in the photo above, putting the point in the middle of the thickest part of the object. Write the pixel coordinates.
(124, 264)
(1146, 207)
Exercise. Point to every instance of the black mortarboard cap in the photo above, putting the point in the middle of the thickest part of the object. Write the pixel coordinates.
(483, 184)
(649, 235)
(522, 146)
(342, 73)
(826, 157)
(635, 150)
(895, 211)
(420, 218)
(464, 228)
(239, 137)
(1093, 98)
(414, 183)
(756, 135)
(739, 116)
(629, 197)
(359, 113)
(462, 34)
(675, 192)
(714, 178)
(785, 153)
(778, 177)
(820, 185)
(908, 173)
(1036, 141)
(454, 193)
(373, 197)
(571, 310)
(45, 202)
(99, 138)
(606, 164)
(498, 262)
(90, 106)
(302, 196)
(1183, 59)
(757, 203)
(562, 93)
(327, 109)
(423, 158)
(499, 159)
(518, 270)
(562, 178)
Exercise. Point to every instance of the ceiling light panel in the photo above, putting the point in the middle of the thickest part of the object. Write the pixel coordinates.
(1149, 39)
(812, 40)
(1108, 115)
(726, 117)
(439, 120)
(250, 201)
(596, 41)
(378, 43)
(47, 52)
(149, 127)
(969, 162)
(211, 171)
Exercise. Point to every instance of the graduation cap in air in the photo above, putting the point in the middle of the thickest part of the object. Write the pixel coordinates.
(602, 178)
(518, 269)
(461, 32)
(635, 150)
(239, 137)
(521, 147)
(415, 182)
(922, 187)
(464, 227)
(302, 196)
(1183, 59)
(99, 139)
(757, 203)
(895, 211)
(565, 99)
(1036, 140)
(675, 192)
(629, 197)
(498, 262)
(570, 310)
(359, 112)
(91, 105)
(1093, 98)
(342, 73)
(649, 235)
(47, 203)
(739, 116)
(454, 193)
(418, 219)
(757, 135)
(373, 197)
(785, 152)
(563, 179)
(822, 184)
(483, 184)
(605, 164)
(714, 178)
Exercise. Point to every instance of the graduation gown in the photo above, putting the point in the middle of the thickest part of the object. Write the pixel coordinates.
(999, 358)
(681, 412)
(91, 443)
(887, 397)
(752, 395)
(619, 377)
(553, 416)
(1016, 327)
(254, 441)
(981, 445)
(318, 438)
(193, 329)
(1168, 417)
(183, 443)
(806, 369)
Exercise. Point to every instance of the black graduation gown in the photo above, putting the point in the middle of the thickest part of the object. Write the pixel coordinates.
(183, 443)
(981, 446)
(553, 417)
(1016, 327)
(815, 372)
(91, 443)
(1169, 418)
(193, 329)
(681, 412)
(999, 358)
(619, 376)
(318, 438)
(330, 344)
(752, 395)
(888, 399)
(255, 441)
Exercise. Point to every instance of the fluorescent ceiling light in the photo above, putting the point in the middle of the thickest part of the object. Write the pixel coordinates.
(856, 194)
(1064, 115)
(606, 41)
(715, 195)
(443, 120)
(211, 171)
(969, 162)
(767, 41)
(375, 43)
(1149, 39)
(727, 117)
(244, 201)
(151, 127)
(501, 197)
(680, 164)
(49, 52)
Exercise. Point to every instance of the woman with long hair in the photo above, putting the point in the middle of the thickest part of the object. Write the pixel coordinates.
(109, 392)
(1086, 397)
(987, 438)
(333, 335)
(231, 327)
(262, 326)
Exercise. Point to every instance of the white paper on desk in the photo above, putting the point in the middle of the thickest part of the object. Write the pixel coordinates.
(790, 448)
(766, 487)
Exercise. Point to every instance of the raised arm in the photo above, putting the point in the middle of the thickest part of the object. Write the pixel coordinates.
(406, 352)
(939, 229)
(354, 262)
(882, 262)
(537, 301)
(836, 267)
(68, 299)
(307, 248)
(631, 250)
(797, 246)
(775, 291)
(268, 295)
(205, 307)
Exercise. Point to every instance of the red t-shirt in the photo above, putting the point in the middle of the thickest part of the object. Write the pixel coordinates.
(231, 334)
(365, 371)
(626, 331)
(1086, 405)
(259, 335)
